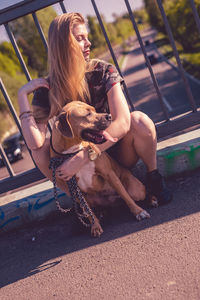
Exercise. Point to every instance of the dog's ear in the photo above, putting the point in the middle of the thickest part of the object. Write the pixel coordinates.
(63, 125)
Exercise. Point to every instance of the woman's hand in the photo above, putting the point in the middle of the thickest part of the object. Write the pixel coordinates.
(33, 85)
(71, 166)
(33, 133)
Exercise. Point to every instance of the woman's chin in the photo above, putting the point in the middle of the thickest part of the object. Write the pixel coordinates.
(87, 57)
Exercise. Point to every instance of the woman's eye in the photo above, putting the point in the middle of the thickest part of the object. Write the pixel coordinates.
(78, 39)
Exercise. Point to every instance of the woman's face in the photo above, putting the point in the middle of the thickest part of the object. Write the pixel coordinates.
(81, 35)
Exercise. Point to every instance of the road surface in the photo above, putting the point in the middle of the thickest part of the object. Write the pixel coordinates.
(19, 166)
(140, 86)
(157, 258)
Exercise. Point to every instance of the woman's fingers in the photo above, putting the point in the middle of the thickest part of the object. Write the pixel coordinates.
(33, 85)
(43, 82)
(40, 82)
(60, 175)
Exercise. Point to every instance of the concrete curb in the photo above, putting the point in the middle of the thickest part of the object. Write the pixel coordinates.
(25, 207)
(184, 157)
(175, 155)
(179, 154)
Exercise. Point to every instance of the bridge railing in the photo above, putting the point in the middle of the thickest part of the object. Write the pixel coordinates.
(165, 127)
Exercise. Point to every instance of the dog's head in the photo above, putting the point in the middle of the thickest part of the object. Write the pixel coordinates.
(80, 120)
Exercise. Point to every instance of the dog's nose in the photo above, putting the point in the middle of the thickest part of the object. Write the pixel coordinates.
(108, 117)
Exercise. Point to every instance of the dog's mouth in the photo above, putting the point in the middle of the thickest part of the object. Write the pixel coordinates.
(96, 137)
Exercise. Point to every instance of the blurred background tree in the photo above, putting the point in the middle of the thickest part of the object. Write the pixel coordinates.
(29, 39)
(182, 23)
(35, 57)
(154, 16)
(181, 19)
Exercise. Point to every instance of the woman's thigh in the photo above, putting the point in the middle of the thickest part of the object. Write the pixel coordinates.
(124, 152)
(140, 141)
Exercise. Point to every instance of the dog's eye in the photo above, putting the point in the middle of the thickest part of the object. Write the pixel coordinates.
(89, 114)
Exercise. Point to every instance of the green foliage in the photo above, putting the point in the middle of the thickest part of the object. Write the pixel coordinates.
(181, 19)
(34, 54)
(6, 49)
(154, 15)
(112, 32)
(8, 60)
(95, 34)
(191, 63)
(124, 28)
(117, 31)
(141, 16)
(29, 39)
(8, 66)
(182, 22)
(12, 85)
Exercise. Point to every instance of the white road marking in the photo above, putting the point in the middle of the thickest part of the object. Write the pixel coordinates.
(123, 67)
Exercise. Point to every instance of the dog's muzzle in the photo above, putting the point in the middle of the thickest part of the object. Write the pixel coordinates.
(96, 135)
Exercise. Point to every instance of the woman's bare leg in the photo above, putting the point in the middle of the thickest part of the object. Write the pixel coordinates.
(141, 142)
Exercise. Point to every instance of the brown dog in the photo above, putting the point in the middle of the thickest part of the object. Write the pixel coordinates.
(103, 180)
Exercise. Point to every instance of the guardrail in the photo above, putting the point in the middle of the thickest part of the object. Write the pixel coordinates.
(164, 128)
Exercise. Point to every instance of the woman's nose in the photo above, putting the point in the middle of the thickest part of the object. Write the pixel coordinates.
(87, 42)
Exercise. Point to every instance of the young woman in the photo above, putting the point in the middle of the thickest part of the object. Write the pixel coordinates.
(73, 76)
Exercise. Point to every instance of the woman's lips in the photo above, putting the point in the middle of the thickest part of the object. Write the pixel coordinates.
(87, 52)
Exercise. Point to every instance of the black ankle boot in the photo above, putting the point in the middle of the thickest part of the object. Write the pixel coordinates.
(156, 186)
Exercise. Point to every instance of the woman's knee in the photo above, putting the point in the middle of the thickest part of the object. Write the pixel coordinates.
(142, 125)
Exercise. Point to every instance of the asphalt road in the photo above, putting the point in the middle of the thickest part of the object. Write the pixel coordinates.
(141, 88)
(157, 258)
(19, 166)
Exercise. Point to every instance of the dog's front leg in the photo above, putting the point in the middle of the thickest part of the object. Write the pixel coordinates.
(96, 229)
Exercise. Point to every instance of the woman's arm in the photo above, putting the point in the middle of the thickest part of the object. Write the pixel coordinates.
(34, 133)
(120, 116)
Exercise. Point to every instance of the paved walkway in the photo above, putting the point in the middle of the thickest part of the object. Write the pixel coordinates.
(157, 258)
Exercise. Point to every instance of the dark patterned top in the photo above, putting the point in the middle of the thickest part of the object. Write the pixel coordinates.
(100, 81)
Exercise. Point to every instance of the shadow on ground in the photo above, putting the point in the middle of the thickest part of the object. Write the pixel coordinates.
(27, 251)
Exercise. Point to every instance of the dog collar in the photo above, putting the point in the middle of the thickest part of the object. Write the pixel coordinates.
(63, 154)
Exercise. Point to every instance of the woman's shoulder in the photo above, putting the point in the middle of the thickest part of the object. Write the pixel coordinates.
(99, 65)
(98, 69)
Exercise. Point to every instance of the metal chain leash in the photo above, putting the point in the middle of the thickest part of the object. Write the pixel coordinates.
(75, 192)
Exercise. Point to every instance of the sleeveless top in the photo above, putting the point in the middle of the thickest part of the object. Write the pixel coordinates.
(100, 80)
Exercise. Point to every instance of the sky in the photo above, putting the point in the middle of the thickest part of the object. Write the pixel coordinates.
(105, 7)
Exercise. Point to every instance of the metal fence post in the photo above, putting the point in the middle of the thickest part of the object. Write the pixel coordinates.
(19, 56)
(195, 13)
(182, 72)
(111, 51)
(147, 60)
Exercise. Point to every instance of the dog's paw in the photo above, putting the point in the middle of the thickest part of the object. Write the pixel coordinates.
(142, 215)
(154, 202)
(96, 230)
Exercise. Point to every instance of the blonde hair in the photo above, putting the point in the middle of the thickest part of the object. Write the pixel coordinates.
(66, 63)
